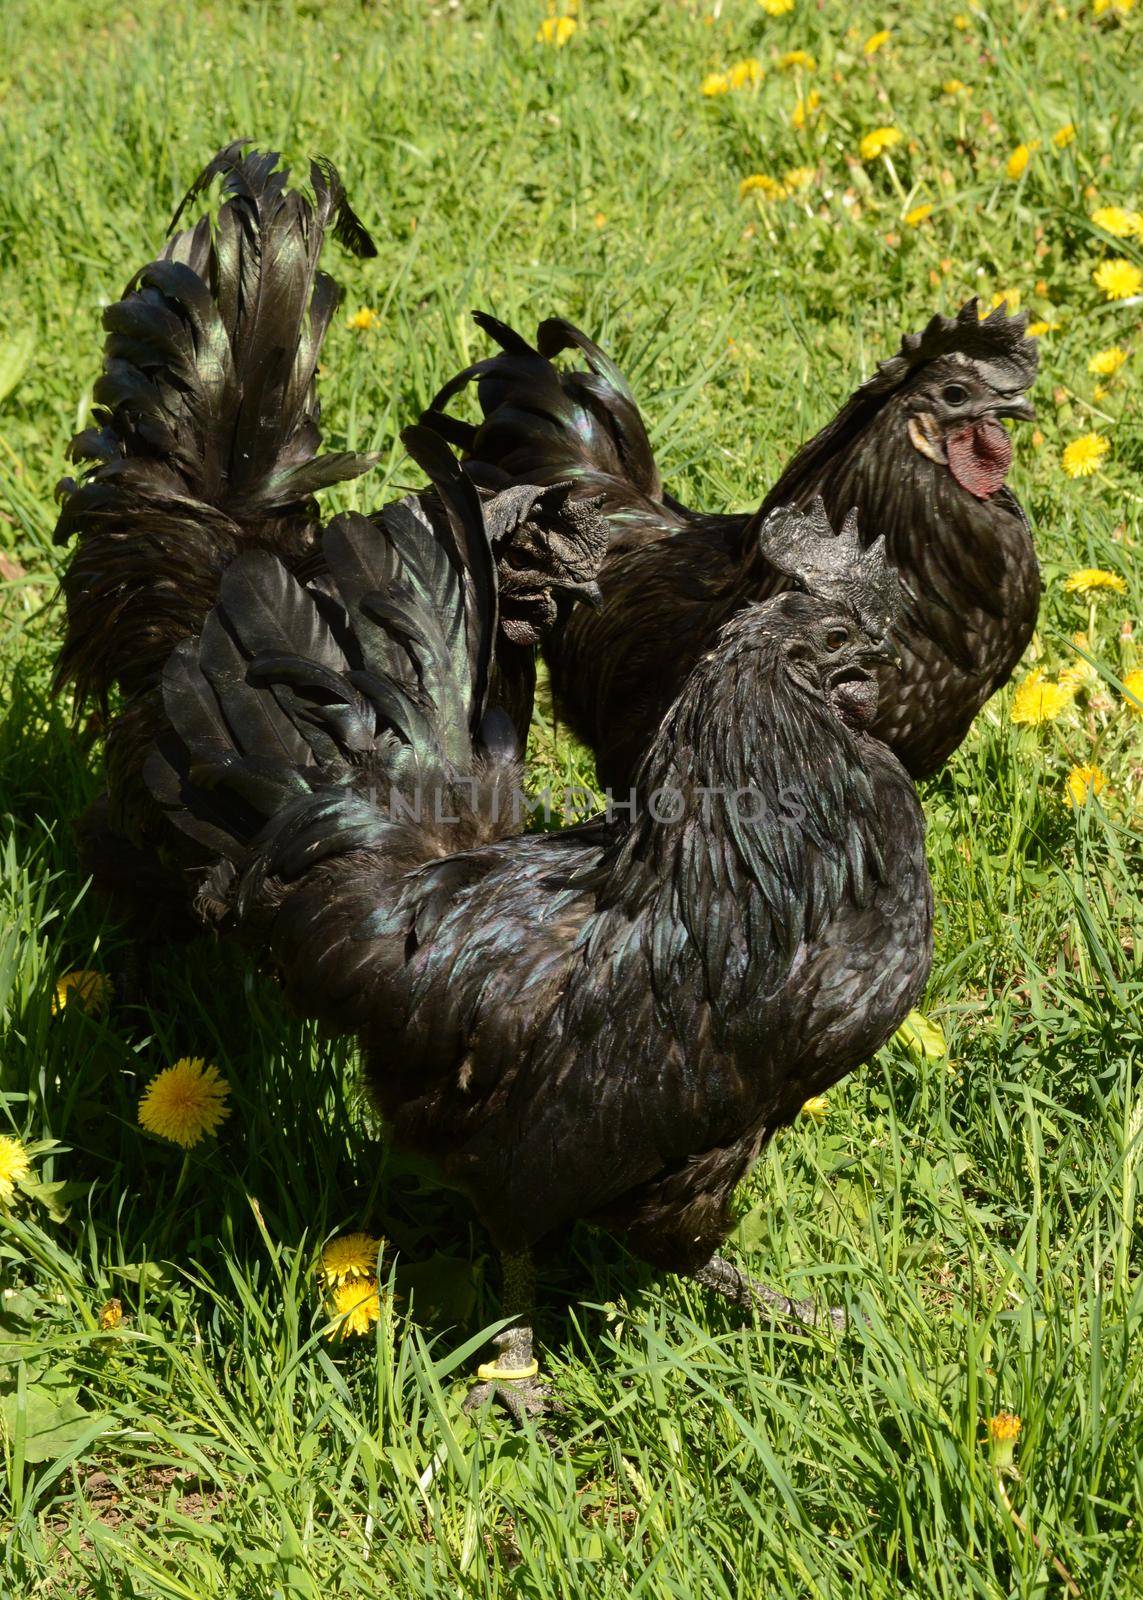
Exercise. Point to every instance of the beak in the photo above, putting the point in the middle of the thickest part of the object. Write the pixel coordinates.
(883, 652)
(1023, 410)
(591, 592)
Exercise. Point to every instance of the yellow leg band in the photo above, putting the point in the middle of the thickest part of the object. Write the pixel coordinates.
(489, 1372)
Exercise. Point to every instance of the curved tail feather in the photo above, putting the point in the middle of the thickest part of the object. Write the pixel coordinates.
(206, 438)
(545, 426)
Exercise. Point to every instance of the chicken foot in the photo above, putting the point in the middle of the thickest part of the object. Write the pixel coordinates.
(725, 1279)
(514, 1377)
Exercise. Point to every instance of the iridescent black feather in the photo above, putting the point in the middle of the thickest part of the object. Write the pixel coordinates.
(607, 1022)
(205, 444)
(673, 576)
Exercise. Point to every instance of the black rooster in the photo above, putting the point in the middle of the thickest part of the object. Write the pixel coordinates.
(206, 444)
(607, 1022)
(919, 450)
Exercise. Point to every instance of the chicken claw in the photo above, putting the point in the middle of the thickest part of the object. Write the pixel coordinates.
(521, 1397)
(725, 1279)
(514, 1377)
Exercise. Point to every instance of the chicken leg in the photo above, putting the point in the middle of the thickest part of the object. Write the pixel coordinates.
(725, 1279)
(513, 1378)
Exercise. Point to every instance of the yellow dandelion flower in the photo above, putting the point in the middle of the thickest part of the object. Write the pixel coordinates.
(556, 31)
(714, 83)
(14, 1167)
(184, 1102)
(1037, 701)
(357, 1305)
(1037, 330)
(1081, 675)
(1106, 362)
(797, 58)
(761, 184)
(1082, 782)
(110, 1315)
(89, 991)
(1117, 221)
(878, 141)
(1008, 298)
(1087, 580)
(805, 109)
(953, 86)
(1133, 691)
(875, 41)
(600, 219)
(816, 1106)
(1118, 8)
(918, 215)
(365, 319)
(353, 1255)
(1119, 280)
(1083, 456)
(747, 74)
(799, 178)
(1018, 161)
(777, 8)
(1064, 136)
(961, 22)
(1004, 1425)
(1003, 1432)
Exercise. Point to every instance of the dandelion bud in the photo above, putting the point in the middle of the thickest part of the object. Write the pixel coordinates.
(1003, 1432)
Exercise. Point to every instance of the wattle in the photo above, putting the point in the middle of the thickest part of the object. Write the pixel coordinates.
(979, 457)
(855, 702)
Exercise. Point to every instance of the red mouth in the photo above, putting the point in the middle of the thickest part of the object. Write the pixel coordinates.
(979, 457)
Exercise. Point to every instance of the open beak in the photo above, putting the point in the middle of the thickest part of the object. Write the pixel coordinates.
(925, 437)
(1023, 410)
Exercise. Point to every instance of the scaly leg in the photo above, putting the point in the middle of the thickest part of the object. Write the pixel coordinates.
(725, 1279)
(513, 1378)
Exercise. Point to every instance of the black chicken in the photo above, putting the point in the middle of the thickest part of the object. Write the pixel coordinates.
(919, 450)
(206, 444)
(607, 1022)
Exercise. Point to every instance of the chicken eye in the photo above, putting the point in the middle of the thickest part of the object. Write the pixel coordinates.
(954, 394)
(836, 637)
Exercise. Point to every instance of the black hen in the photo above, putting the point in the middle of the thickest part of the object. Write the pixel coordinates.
(604, 1023)
(919, 450)
(206, 444)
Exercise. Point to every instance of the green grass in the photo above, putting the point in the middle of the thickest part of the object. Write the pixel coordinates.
(979, 1212)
